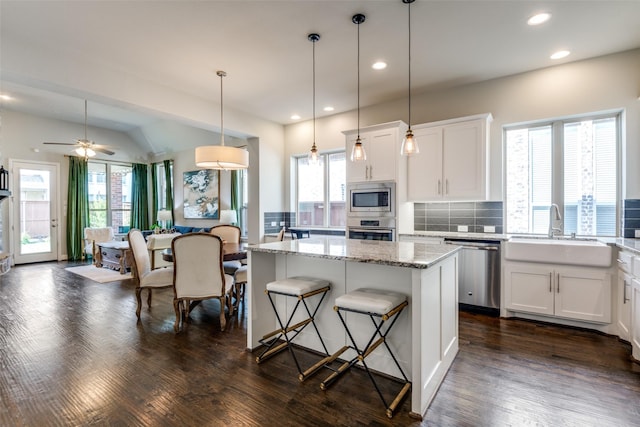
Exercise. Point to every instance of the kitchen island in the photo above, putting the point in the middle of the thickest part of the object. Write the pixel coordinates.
(425, 337)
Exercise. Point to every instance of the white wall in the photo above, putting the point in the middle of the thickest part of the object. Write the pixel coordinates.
(605, 83)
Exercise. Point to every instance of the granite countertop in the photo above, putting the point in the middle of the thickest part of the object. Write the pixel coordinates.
(632, 245)
(397, 254)
(457, 235)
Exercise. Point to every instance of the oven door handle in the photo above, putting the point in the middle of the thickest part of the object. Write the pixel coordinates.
(370, 230)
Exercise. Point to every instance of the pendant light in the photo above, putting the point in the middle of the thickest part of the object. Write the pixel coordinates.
(313, 153)
(358, 154)
(409, 143)
(221, 156)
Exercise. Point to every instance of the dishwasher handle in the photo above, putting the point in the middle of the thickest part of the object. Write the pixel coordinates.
(474, 245)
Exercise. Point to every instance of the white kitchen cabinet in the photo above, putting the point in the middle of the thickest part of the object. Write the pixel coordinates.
(382, 145)
(635, 318)
(623, 297)
(560, 291)
(452, 163)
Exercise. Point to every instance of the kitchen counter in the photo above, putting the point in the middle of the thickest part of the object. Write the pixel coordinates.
(397, 254)
(425, 336)
(457, 235)
(632, 245)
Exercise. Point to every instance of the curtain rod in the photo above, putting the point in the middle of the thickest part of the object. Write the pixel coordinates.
(118, 162)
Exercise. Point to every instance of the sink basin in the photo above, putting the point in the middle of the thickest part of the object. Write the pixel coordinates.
(589, 253)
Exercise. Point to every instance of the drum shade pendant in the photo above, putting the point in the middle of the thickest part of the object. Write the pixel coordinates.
(221, 156)
(358, 153)
(409, 143)
(313, 153)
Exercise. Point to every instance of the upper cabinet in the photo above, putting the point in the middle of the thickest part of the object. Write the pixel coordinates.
(382, 145)
(452, 163)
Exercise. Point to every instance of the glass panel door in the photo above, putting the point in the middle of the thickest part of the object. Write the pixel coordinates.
(35, 212)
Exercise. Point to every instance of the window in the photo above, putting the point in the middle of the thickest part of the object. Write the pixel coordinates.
(161, 186)
(109, 199)
(572, 163)
(321, 191)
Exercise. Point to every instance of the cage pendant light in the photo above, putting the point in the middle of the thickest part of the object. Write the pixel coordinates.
(220, 156)
(314, 159)
(358, 153)
(409, 143)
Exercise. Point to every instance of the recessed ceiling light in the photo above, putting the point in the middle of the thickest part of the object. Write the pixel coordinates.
(560, 54)
(328, 108)
(538, 19)
(295, 117)
(380, 65)
(5, 97)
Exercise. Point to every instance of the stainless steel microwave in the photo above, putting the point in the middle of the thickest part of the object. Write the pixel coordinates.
(372, 199)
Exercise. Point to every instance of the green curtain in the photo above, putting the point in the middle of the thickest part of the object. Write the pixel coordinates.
(155, 202)
(77, 207)
(236, 195)
(139, 197)
(168, 179)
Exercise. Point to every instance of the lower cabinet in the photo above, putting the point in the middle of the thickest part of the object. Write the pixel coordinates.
(635, 318)
(557, 290)
(624, 305)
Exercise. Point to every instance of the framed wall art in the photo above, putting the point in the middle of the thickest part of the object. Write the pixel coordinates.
(201, 191)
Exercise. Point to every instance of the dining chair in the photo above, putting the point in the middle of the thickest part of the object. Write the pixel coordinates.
(145, 277)
(198, 275)
(228, 233)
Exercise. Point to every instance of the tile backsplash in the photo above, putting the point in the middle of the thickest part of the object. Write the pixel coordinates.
(630, 218)
(289, 219)
(447, 216)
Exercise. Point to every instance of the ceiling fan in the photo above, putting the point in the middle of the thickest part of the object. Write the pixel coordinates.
(85, 147)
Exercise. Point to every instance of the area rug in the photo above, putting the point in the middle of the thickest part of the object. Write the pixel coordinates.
(98, 274)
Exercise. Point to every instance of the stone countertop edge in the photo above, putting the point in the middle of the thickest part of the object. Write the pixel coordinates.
(396, 254)
(457, 235)
(632, 245)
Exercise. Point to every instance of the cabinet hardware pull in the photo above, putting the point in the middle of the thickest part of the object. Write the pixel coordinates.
(446, 181)
(624, 292)
(550, 281)
(439, 187)
(370, 171)
(558, 288)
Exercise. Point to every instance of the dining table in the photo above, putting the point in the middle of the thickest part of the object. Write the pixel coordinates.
(231, 251)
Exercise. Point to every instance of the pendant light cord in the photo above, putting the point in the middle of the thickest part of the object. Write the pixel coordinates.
(314, 92)
(85, 120)
(409, 26)
(358, 82)
(221, 74)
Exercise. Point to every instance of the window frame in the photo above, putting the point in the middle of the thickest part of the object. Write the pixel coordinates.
(108, 190)
(557, 159)
(326, 190)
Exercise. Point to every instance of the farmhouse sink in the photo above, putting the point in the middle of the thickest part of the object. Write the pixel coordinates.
(588, 253)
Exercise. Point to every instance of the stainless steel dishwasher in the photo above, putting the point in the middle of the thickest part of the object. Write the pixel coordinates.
(478, 275)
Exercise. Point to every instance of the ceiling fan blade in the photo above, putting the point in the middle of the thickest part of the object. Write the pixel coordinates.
(60, 143)
(103, 150)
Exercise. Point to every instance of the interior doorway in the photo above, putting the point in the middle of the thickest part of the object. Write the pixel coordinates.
(34, 211)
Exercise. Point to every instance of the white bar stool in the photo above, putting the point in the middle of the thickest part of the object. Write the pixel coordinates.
(374, 303)
(300, 288)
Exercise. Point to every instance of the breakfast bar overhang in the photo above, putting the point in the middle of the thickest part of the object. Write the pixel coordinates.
(425, 337)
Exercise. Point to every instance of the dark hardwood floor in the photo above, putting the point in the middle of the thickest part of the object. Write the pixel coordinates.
(72, 354)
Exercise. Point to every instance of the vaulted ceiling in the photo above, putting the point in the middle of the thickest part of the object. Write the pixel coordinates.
(263, 46)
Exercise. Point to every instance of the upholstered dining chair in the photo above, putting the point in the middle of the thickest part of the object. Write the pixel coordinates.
(145, 277)
(198, 274)
(228, 233)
